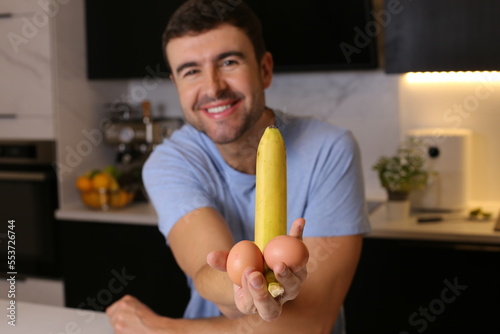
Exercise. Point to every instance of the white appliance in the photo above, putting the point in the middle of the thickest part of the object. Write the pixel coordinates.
(448, 153)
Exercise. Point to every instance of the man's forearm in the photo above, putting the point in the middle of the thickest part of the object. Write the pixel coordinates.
(251, 324)
(219, 325)
(215, 286)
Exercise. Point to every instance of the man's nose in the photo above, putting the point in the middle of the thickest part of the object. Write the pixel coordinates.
(214, 83)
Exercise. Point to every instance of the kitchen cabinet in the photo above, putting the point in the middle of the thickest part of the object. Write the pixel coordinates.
(415, 286)
(441, 35)
(327, 38)
(447, 271)
(26, 83)
(439, 277)
(104, 261)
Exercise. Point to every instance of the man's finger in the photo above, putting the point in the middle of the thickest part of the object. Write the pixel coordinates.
(289, 280)
(117, 304)
(244, 297)
(217, 260)
(268, 308)
(297, 228)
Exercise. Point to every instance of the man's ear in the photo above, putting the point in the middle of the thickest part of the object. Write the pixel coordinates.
(171, 77)
(266, 69)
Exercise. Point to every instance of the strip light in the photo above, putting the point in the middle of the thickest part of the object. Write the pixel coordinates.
(439, 77)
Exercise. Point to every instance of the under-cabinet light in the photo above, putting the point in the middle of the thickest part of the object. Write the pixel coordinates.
(436, 77)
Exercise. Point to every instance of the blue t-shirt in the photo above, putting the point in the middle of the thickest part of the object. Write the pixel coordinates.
(325, 185)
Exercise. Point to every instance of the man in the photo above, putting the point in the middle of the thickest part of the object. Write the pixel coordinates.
(202, 184)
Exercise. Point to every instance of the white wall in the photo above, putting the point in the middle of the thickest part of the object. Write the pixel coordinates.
(470, 104)
(79, 116)
(26, 84)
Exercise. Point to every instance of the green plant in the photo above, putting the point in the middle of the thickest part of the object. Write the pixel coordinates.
(404, 171)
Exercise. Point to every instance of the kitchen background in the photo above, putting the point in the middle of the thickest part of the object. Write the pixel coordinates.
(47, 80)
(44, 78)
(377, 107)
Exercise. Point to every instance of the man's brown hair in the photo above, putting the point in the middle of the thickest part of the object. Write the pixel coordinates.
(198, 16)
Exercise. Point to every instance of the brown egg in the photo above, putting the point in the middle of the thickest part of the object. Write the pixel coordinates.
(243, 255)
(290, 250)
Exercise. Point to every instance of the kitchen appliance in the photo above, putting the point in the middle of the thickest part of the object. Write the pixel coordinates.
(447, 153)
(497, 223)
(28, 197)
(134, 132)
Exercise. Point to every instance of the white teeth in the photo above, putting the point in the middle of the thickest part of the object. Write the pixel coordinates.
(218, 109)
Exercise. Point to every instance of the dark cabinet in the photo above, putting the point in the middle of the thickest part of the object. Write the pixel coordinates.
(405, 286)
(102, 262)
(442, 35)
(124, 37)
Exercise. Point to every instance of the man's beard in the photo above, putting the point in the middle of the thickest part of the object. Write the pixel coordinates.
(250, 117)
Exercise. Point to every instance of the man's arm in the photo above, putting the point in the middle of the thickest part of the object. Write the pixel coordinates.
(333, 261)
(191, 239)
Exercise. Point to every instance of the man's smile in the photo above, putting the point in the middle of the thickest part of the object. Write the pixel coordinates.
(220, 109)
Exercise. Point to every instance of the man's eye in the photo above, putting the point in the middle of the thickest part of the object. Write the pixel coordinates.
(229, 62)
(190, 73)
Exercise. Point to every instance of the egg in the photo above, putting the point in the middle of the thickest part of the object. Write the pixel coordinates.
(243, 255)
(290, 250)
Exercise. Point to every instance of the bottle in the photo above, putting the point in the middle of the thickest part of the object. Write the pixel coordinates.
(146, 118)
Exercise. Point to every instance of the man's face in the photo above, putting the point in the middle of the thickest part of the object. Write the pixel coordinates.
(219, 81)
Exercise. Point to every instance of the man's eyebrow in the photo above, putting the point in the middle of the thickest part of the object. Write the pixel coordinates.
(221, 56)
(185, 65)
(230, 54)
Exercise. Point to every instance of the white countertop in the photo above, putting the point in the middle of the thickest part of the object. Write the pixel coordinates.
(37, 318)
(137, 214)
(454, 227)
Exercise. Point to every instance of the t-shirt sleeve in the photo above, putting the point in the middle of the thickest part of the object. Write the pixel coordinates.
(175, 186)
(336, 204)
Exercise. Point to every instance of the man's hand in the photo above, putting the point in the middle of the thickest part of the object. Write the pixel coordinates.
(129, 316)
(253, 297)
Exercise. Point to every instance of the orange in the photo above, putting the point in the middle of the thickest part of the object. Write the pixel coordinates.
(130, 197)
(91, 198)
(95, 199)
(120, 198)
(114, 199)
(113, 184)
(84, 183)
(101, 180)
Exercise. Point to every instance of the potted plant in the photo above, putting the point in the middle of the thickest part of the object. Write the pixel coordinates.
(403, 172)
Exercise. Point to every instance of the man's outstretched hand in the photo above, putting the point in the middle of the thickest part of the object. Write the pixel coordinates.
(253, 297)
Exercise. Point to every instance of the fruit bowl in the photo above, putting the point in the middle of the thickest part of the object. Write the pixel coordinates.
(101, 190)
(104, 199)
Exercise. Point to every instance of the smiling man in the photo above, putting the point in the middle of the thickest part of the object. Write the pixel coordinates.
(221, 83)
(201, 182)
